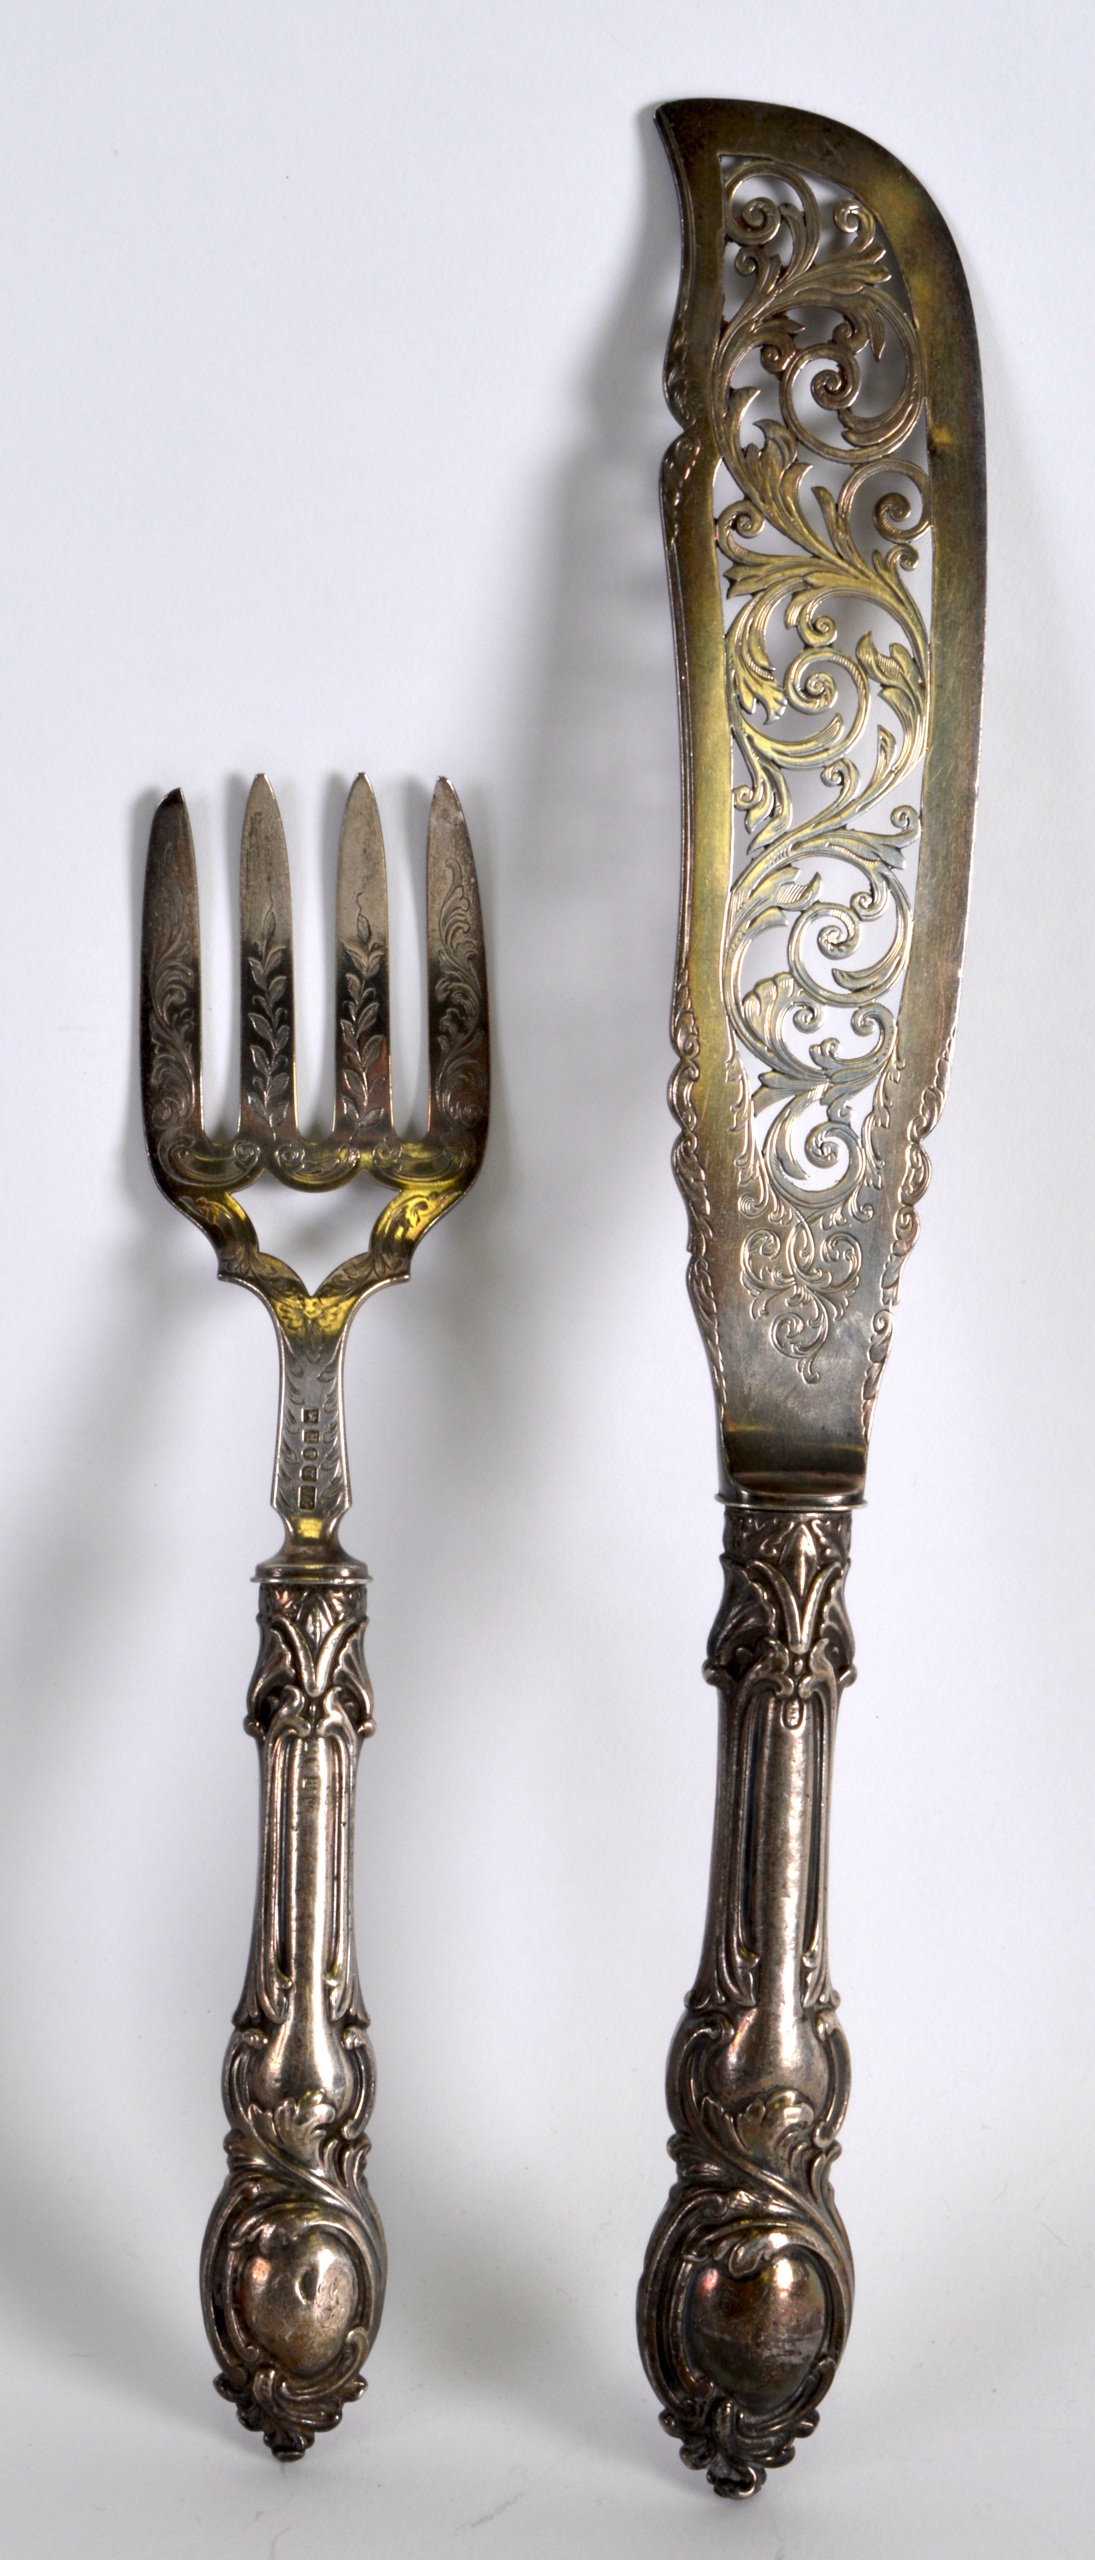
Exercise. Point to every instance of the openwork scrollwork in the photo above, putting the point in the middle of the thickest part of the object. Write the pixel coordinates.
(827, 672)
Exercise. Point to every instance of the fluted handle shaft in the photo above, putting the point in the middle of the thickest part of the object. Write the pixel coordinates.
(747, 2288)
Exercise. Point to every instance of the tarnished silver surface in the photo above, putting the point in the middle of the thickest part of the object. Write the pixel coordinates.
(293, 2265)
(747, 2290)
(824, 522)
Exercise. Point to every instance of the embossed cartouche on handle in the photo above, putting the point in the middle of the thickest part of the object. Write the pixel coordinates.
(824, 525)
(293, 2265)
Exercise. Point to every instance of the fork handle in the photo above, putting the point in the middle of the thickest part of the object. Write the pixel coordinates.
(293, 2265)
(747, 2289)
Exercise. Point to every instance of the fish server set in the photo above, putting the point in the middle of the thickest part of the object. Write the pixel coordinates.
(826, 569)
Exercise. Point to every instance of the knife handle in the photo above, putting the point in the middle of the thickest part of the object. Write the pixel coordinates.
(293, 2265)
(746, 2292)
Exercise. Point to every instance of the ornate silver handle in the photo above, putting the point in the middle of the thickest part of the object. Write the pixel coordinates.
(293, 2266)
(747, 2289)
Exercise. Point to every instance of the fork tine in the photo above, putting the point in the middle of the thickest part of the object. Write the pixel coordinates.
(171, 1060)
(456, 964)
(268, 1108)
(363, 1081)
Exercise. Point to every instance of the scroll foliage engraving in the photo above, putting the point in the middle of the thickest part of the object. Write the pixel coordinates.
(293, 2271)
(828, 690)
(173, 1025)
(458, 994)
(691, 1178)
(915, 1177)
(747, 2290)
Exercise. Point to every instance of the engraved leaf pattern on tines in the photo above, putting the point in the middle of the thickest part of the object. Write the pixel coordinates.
(460, 1082)
(173, 1023)
(360, 1029)
(269, 1024)
(818, 540)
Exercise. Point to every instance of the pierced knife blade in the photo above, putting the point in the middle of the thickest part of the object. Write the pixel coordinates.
(823, 368)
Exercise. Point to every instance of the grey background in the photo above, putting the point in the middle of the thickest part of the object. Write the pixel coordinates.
(330, 417)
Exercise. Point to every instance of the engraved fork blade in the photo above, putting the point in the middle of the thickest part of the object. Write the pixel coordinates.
(293, 2265)
(823, 370)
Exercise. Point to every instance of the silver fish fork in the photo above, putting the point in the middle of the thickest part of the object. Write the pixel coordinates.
(293, 2267)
